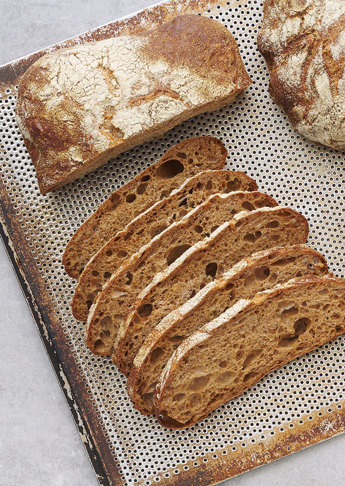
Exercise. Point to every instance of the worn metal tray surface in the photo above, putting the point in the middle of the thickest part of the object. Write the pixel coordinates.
(300, 404)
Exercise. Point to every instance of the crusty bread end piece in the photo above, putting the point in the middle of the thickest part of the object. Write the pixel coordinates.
(205, 261)
(249, 340)
(79, 107)
(149, 224)
(180, 162)
(254, 274)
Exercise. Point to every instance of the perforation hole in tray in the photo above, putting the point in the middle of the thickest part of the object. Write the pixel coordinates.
(295, 171)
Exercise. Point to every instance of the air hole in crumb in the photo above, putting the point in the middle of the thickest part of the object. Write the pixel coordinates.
(176, 339)
(156, 353)
(175, 253)
(249, 376)
(194, 399)
(122, 254)
(178, 397)
(198, 229)
(273, 224)
(233, 185)
(107, 275)
(129, 277)
(128, 235)
(249, 359)
(170, 169)
(95, 273)
(339, 328)
(283, 261)
(141, 188)
(145, 310)
(199, 383)
(105, 334)
(223, 364)
(262, 273)
(99, 346)
(301, 325)
(209, 185)
(130, 198)
(211, 269)
(157, 230)
(225, 377)
(106, 323)
(183, 202)
(249, 237)
(248, 206)
(145, 178)
(291, 311)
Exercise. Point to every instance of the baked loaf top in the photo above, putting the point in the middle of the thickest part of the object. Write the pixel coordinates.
(80, 106)
(252, 338)
(183, 160)
(303, 42)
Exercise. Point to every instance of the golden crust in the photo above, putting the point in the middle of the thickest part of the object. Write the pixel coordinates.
(81, 106)
(303, 44)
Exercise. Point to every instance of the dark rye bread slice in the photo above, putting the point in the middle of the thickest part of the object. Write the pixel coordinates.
(180, 162)
(205, 261)
(245, 343)
(118, 295)
(254, 274)
(147, 225)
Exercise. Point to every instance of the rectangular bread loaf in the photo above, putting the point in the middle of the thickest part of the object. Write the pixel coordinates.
(246, 342)
(79, 107)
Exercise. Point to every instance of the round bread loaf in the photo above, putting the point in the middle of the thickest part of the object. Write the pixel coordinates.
(303, 42)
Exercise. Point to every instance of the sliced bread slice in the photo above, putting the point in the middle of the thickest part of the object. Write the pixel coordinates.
(251, 275)
(249, 340)
(180, 162)
(147, 225)
(204, 262)
(116, 298)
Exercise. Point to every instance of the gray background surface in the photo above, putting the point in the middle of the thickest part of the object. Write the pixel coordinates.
(39, 443)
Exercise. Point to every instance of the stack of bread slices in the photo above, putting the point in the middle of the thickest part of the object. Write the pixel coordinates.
(198, 284)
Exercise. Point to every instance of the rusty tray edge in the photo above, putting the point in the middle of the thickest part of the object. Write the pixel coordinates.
(332, 422)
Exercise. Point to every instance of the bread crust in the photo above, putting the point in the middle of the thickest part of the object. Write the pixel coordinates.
(294, 291)
(183, 160)
(227, 289)
(303, 44)
(79, 107)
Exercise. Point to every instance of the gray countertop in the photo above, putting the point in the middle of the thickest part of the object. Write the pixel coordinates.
(39, 442)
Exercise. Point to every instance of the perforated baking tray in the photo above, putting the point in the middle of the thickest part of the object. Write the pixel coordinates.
(300, 404)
